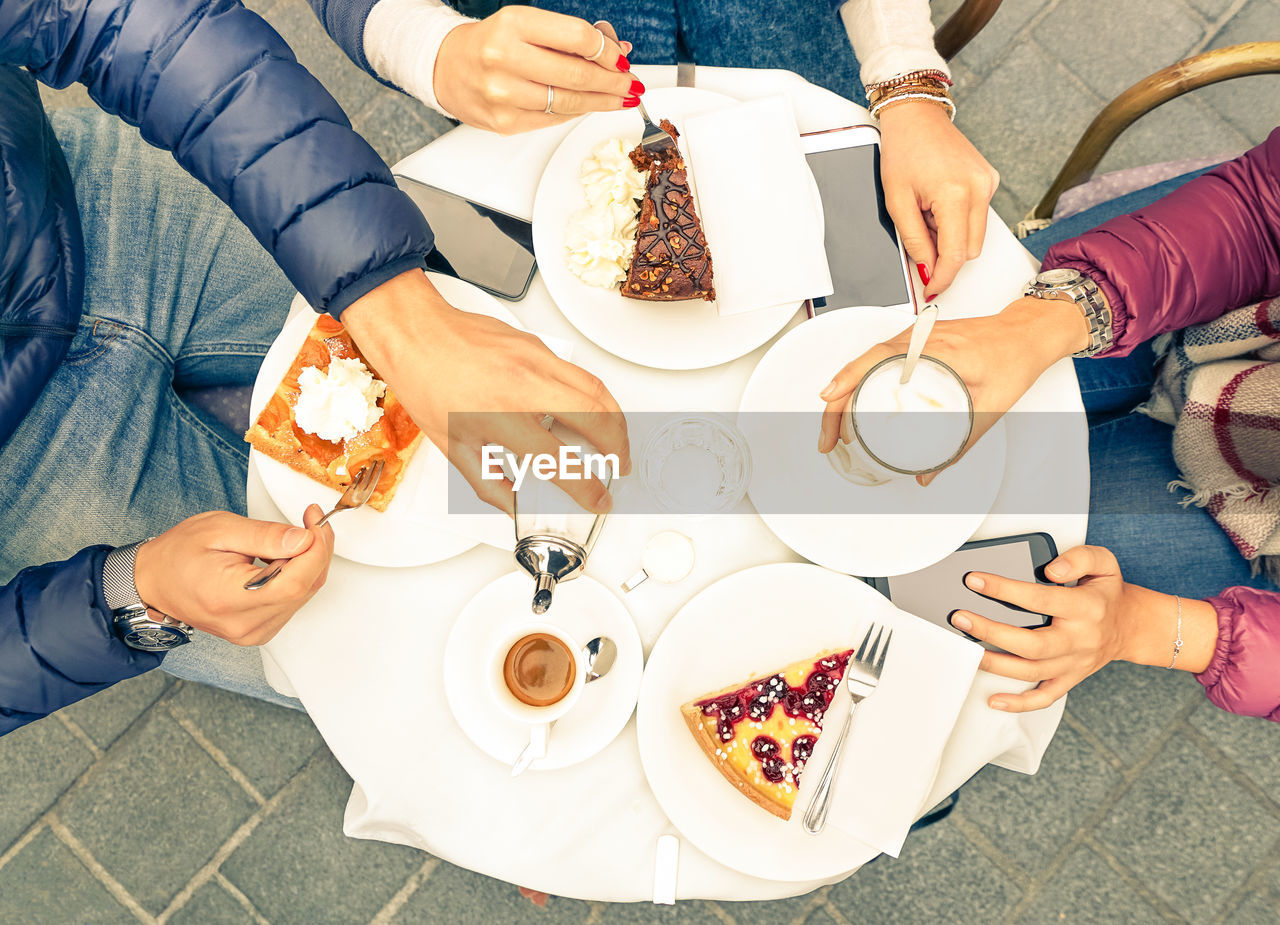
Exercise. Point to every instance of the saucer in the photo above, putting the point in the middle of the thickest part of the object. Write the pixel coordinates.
(881, 530)
(583, 609)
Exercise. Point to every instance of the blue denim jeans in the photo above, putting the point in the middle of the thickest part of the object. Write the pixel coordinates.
(807, 37)
(178, 295)
(1159, 544)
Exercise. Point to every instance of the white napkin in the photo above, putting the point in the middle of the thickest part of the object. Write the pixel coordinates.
(895, 743)
(759, 205)
(427, 488)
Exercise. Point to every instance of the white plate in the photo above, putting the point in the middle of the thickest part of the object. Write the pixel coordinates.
(784, 455)
(583, 609)
(400, 536)
(729, 633)
(664, 335)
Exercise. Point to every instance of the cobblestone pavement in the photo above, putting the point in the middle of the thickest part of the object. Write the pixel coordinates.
(166, 801)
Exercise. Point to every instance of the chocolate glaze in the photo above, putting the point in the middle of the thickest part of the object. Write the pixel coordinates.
(671, 261)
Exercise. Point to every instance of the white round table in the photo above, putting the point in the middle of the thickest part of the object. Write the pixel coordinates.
(365, 655)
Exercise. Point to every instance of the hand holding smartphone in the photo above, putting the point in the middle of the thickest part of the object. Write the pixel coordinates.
(934, 593)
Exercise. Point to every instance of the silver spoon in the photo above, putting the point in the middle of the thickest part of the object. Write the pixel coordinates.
(599, 654)
(919, 334)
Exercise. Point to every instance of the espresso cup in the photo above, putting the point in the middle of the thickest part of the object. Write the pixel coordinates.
(889, 430)
(510, 700)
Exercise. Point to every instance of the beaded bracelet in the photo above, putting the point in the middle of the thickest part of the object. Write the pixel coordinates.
(886, 101)
(918, 84)
(924, 74)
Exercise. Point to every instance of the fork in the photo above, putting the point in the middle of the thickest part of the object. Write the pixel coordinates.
(655, 137)
(861, 676)
(357, 493)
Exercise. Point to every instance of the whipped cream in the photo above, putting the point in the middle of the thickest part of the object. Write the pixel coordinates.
(600, 238)
(340, 403)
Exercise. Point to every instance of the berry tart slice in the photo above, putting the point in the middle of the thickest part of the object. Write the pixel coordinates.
(760, 734)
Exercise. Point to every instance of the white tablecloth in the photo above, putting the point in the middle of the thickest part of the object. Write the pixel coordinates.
(365, 654)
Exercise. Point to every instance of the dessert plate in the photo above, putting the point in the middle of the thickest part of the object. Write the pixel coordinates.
(583, 609)
(883, 530)
(664, 335)
(729, 633)
(414, 530)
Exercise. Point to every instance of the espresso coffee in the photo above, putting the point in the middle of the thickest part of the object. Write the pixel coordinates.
(539, 670)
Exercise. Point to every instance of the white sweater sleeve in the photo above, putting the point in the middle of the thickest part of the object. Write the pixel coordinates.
(890, 37)
(402, 39)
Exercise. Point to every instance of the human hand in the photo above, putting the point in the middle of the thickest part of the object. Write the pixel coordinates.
(1102, 619)
(937, 189)
(196, 572)
(494, 73)
(998, 356)
(440, 360)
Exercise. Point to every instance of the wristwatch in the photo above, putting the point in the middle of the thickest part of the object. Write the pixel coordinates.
(131, 620)
(1070, 285)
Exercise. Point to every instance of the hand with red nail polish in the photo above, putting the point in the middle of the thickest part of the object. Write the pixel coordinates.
(501, 72)
(999, 357)
(937, 189)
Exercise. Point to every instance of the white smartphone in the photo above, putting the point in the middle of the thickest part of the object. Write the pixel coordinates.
(868, 264)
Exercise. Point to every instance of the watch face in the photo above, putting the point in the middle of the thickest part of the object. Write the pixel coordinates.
(1062, 276)
(154, 638)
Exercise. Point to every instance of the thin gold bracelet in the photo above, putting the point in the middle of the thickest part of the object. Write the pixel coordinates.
(941, 100)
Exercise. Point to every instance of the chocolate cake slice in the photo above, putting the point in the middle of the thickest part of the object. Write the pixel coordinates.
(671, 260)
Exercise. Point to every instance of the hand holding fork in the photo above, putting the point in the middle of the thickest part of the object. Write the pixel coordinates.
(358, 492)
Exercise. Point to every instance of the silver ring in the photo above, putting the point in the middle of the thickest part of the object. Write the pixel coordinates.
(551, 98)
(596, 56)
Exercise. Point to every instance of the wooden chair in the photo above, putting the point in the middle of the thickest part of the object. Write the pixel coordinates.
(1198, 71)
(966, 22)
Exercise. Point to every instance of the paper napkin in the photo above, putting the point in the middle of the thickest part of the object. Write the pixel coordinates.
(759, 205)
(895, 743)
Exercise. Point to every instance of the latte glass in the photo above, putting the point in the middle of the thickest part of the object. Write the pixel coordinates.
(889, 430)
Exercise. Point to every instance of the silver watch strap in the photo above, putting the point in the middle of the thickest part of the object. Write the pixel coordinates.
(133, 621)
(117, 578)
(1087, 296)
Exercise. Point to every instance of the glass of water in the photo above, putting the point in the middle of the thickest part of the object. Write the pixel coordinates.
(696, 464)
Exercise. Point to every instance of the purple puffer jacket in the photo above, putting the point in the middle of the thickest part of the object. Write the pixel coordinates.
(1209, 247)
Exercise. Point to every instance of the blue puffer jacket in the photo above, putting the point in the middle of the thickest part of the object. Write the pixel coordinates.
(213, 83)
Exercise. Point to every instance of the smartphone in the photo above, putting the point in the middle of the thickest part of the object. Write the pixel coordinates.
(933, 593)
(868, 263)
(484, 247)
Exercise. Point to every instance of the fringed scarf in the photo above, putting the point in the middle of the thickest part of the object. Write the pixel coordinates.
(1218, 385)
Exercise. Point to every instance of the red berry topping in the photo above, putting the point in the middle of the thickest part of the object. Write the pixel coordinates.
(724, 729)
(813, 705)
(791, 702)
(764, 747)
(731, 708)
(821, 682)
(773, 769)
(760, 707)
(802, 748)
